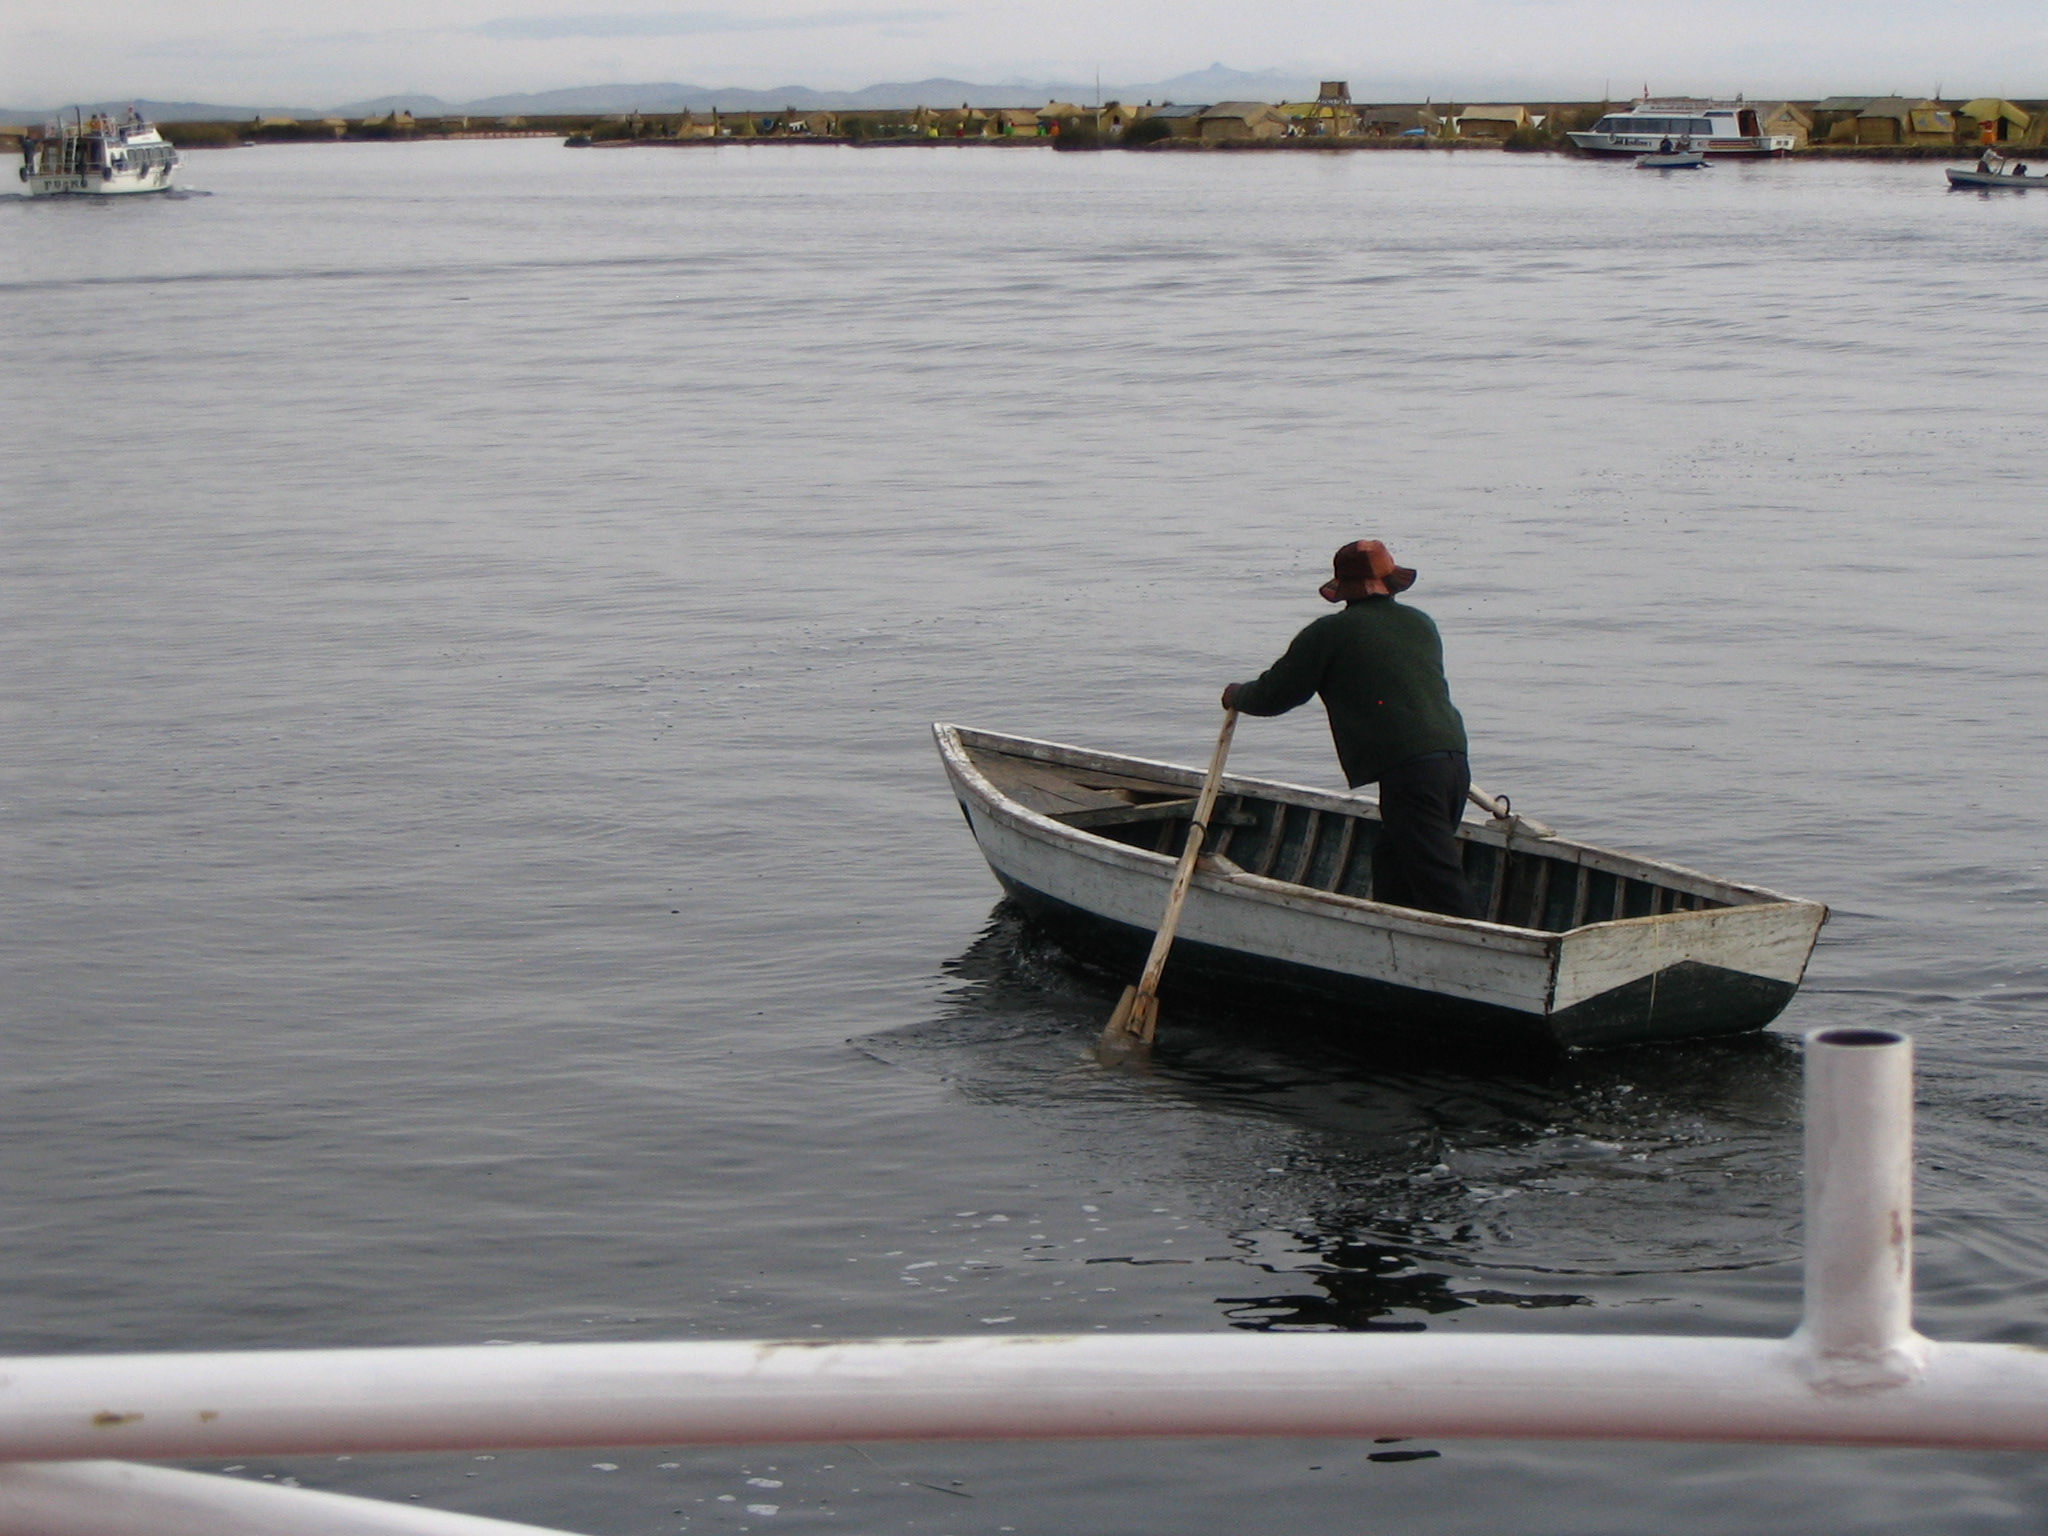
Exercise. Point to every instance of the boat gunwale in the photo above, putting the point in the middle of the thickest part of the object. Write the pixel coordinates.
(1280, 893)
(956, 744)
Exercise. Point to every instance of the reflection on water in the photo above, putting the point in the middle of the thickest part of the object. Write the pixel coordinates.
(1364, 1287)
(1381, 1185)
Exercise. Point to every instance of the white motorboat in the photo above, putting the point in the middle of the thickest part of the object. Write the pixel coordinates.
(97, 156)
(1714, 130)
(1579, 946)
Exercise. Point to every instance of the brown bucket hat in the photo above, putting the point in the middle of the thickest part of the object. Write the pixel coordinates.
(1365, 569)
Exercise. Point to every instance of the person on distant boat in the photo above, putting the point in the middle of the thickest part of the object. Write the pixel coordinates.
(1664, 145)
(1379, 667)
(1984, 164)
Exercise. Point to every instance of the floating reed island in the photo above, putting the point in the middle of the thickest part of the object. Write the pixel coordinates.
(1865, 127)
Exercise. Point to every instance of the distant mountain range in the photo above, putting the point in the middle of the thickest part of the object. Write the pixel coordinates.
(155, 111)
(1216, 83)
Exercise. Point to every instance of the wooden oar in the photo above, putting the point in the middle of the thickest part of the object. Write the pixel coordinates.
(1136, 1019)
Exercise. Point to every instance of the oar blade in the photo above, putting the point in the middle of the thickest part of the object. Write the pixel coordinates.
(1120, 1020)
(1145, 1018)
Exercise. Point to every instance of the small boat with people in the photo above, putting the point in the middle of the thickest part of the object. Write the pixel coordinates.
(1715, 128)
(1576, 945)
(97, 156)
(1994, 171)
(1668, 156)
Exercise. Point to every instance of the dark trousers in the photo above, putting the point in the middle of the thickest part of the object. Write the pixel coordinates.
(1417, 863)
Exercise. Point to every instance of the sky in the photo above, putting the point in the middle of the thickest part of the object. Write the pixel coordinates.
(259, 52)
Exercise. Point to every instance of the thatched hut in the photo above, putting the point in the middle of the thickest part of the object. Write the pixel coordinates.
(1490, 122)
(1784, 119)
(1896, 120)
(1393, 122)
(1240, 120)
(1988, 120)
(1183, 122)
(1015, 122)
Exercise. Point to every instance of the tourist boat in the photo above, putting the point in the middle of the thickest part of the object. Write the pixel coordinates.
(1580, 946)
(2009, 175)
(97, 156)
(1715, 130)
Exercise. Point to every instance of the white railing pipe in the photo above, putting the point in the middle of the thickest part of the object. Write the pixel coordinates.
(112, 1498)
(1855, 1373)
(1495, 1386)
(1858, 1327)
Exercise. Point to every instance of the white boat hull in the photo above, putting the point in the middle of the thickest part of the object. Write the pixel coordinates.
(1726, 969)
(1646, 143)
(156, 178)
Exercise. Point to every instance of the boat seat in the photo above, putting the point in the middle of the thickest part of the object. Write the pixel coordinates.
(1053, 790)
(1146, 811)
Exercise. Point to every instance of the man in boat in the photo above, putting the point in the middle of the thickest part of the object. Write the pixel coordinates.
(1379, 667)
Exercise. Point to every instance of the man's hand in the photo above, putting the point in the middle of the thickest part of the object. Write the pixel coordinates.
(1230, 695)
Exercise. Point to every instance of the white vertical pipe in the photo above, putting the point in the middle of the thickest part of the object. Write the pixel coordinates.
(112, 1498)
(1858, 1328)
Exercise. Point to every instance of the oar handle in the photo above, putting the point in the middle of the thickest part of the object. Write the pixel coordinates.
(1503, 811)
(1497, 808)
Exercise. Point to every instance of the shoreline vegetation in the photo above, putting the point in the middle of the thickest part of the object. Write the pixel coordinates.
(1832, 128)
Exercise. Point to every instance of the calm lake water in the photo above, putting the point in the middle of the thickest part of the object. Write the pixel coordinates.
(474, 866)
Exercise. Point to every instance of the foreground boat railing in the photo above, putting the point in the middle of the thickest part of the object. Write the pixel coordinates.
(1854, 1373)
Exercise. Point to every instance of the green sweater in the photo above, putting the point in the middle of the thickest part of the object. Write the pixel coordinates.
(1380, 669)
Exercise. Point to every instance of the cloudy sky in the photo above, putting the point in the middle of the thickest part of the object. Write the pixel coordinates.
(257, 51)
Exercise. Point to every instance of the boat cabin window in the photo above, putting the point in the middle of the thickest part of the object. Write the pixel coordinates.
(1655, 125)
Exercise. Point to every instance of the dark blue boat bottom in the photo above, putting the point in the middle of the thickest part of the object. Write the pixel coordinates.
(1684, 1001)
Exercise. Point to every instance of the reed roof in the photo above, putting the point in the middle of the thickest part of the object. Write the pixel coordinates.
(1986, 109)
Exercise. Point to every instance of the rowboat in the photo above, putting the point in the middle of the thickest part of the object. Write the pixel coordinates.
(1580, 946)
(1672, 160)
